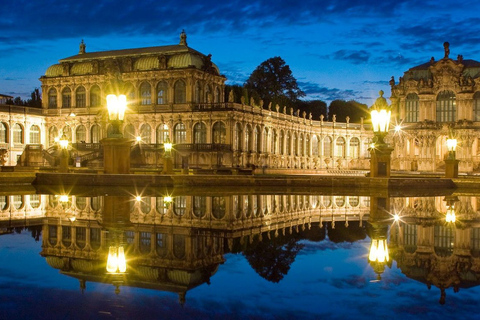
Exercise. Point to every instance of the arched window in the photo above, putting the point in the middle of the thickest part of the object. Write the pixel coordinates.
(275, 142)
(288, 145)
(238, 137)
(265, 140)
(200, 133)
(95, 96)
(52, 134)
(366, 149)
(218, 207)
(146, 205)
(80, 99)
(161, 205)
(146, 133)
(446, 106)
(301, 146)
(355, 148)
(34, 134)
(198, 92)
(66, 98)
(3, 133)
(315, 148)
(217, 95)
(248, 138)
(81, 134)
(180, 92)
(281, 147)
(180, 133)
(219, 133)
(180, 205)
(411, 108)
(95, 133)
(327, 147)
(146, 93)
(294, 144)
(128, 131)
(17, 133)
(340, 147)
(257, 140)
(162, 92)
(307, 145)
(199, 206)
(35, 201)
(163, 133)
(476, 106)
(52, 98)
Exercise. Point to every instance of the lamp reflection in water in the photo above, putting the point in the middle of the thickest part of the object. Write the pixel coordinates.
(450, 216)
(116, 262)
(377, 229)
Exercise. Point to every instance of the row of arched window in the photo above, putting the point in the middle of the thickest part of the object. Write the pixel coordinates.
(18, 202)
(18, 134)
(446, 107)
(144, 95)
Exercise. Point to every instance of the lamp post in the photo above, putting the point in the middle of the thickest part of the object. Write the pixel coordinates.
(63, 142)
(380, 151)
(450, 216)
(116, 149)
(451, 163)
(167, 158)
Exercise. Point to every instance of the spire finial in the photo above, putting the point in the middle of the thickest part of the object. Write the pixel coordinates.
(82, 47)
(183, 38)
(446, 47)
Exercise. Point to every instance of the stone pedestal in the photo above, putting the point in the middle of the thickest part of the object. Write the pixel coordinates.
(116, 155)
(451, 168)
(63, 168)
(380, 161)
(167, 165)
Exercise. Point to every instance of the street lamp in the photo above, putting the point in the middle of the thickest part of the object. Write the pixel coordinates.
(450, 216)
(167, 157)
(116, 106)
(116, 148)
(451, 162)
(116, 261)
(380, 151)
(63, 142)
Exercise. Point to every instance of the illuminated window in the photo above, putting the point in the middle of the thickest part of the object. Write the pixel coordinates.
(95, 133)
(238, 136)
(95, 96)
(17, 133)
(66, 98)
(219, 133)
(3, 133)
(35, 134)
(81, 134)
(34, 201)
(146, 93)
(180, 133)
(80, 101)
(354, 148)
(327, 147)
(411, 108)
(199, 206)
(146, 133)
(446, 106)
(162, 93)
(200, 133)
(197, 93)
(162, 133)
(340, 147)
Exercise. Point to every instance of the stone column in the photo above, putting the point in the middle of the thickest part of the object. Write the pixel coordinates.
(116, 155)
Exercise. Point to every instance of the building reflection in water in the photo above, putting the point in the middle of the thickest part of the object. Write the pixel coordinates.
(176, 244)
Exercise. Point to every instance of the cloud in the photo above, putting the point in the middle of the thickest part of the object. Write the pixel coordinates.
(316, 91)
(354, 56)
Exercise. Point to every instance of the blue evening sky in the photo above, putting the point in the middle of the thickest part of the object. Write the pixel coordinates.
(337, 49)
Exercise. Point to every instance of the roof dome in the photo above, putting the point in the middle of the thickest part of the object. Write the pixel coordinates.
(185, 60)
(55, 262)
(54, 71)
(81, 68)
(147, 63)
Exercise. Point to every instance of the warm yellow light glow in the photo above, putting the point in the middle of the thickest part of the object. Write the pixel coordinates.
(138, 198)
(56, 139)
(116, 261)
(380, 120)
(116, 106)
(72, 218)
(139, 138)
(450, 216)
(398, 128)
(451, 144)
(63, 198)
(72, 114)
(63, 142)
(167, 146)
(396, 217)
(372, 145)
(379, 251)
(167, 199)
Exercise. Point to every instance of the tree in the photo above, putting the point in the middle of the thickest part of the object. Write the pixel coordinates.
(315, 107)
(343, 109)
(36, 99)
(18, 101)
(274, 82)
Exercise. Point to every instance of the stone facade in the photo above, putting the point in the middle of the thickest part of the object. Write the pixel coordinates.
(434, 101)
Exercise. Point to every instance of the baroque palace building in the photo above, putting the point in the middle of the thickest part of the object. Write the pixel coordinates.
(176, 93)
(434, 101)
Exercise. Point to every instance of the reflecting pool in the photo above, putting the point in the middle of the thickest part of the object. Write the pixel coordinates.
(203, 254)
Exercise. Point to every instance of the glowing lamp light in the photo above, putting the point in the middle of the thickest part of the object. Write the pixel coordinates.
(398, 128)
(167, 199)
(379, 251)
(450, 216)
(138, 198)
(451, 144)
(168, 146)
(138, 138)
(116, 106)
(63, 198)
(63, 141)
(116, 261)
(380, 120)
(396, 217)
